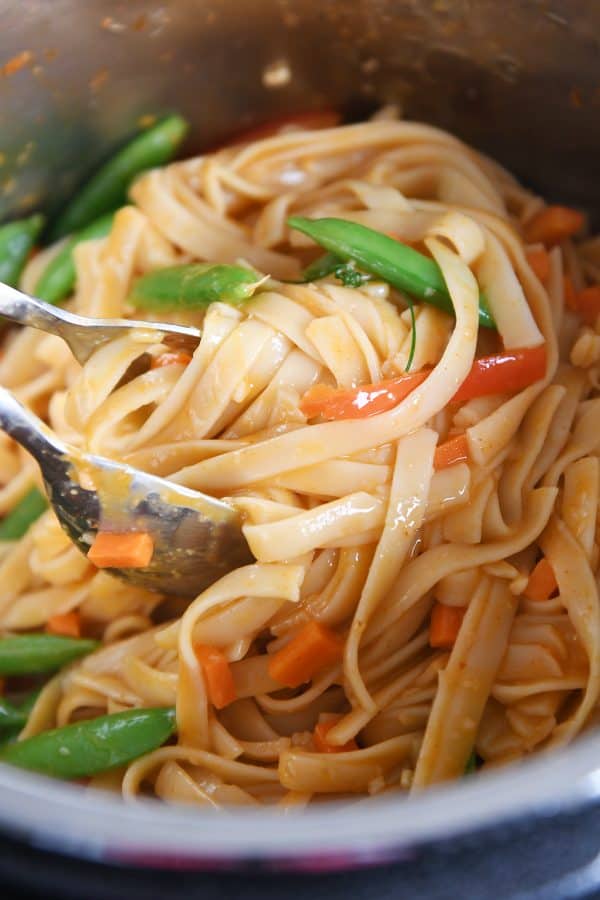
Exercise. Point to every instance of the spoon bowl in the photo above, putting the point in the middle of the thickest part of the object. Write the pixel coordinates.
(196, 538)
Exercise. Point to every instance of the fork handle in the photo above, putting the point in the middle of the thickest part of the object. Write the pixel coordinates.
(25, 310)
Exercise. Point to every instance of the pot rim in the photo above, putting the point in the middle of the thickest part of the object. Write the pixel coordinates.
(70, 820)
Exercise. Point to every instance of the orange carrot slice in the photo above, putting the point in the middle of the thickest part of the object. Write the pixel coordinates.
(314, 648)
(542, 582)
(450, 452)
(552, 225)
(217, 672)
(129, 550)
(67, 624)
(320, 733)
(445, 624)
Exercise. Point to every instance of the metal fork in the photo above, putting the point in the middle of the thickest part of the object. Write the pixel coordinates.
(196, 538)
(84, 334)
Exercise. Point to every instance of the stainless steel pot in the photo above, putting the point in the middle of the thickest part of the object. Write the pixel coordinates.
(519, 79)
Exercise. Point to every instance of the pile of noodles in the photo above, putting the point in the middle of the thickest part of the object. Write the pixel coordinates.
(349, 523)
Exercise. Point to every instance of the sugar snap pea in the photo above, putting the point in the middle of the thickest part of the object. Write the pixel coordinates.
(330, 264)
(16, 241)
(31, 654)
(23, 515)
(193, 286)
(107, 189)
(58, 278)
(11, 716)
(321, 267)
(93, 745)
(376, 253)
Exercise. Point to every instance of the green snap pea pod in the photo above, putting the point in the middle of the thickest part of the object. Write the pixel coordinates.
(32, 654)
(330, 264)
(16, 718)
(23, 515)
(107, 189)
(94, 745)
(11, 716)
(58, 278)
(9, 736)
(16, 241)
(193, 286)
(376, 253)
(321, 267)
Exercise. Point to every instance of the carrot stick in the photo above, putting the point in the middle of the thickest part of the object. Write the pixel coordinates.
(587, 304)
(320, 733)
(176, 358)
(358, 403)
(129, 550)
(217, 672)
(506, 372)
(552, 225)
(503, 373)
(542, 582)
(445, 624)
(539, 261)
(314, 647)
(450, 452)
(67, 624)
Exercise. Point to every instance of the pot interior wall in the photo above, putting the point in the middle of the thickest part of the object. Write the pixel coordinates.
(518, 79)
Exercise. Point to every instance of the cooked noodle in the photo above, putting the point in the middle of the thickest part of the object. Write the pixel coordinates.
(349, 521)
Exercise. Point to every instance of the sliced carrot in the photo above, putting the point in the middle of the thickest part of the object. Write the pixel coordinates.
(445, 624)
(175, 358)
(539, 261)
(450, 452)
(552, 225)
(128, 550)
(542, 582)
(569, 293)
(503, 373)
(16, 63)
(320, 733)
(217, 672)
(506, 372)
(361, 402)
(587, 304)
(314, 648)
(67, 624)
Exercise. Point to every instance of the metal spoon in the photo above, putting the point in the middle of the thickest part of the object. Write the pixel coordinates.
(197, 538)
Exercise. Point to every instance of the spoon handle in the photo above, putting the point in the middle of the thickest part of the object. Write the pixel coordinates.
(28, 430)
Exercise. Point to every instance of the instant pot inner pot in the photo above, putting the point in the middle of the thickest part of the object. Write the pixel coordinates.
(519, 79)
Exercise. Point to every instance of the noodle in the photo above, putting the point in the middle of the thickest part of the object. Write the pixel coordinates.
(352, 522)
